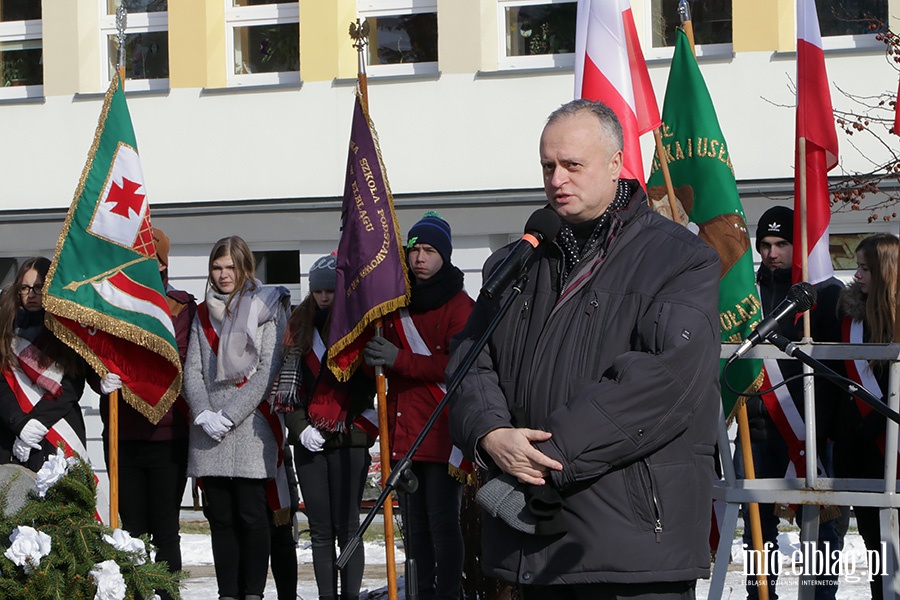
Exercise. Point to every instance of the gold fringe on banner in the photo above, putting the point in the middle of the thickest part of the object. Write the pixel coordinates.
(88, 165)
(741, 400)
(389, 306)
(127, 332)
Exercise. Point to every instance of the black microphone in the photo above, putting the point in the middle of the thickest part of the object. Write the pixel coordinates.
(542, 226)
(800, 298)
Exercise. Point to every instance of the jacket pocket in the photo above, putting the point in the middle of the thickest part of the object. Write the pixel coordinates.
(590, 321)
(643, 495)
(515, 341)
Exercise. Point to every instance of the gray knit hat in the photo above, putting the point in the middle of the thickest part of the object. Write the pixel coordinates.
(323, 274)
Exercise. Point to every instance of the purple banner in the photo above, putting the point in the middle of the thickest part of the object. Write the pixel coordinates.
(371, 269)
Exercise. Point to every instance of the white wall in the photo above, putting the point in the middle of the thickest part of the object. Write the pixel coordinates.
(456, 132)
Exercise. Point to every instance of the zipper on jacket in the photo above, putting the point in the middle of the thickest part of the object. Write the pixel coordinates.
(517, 339)
(657, 528)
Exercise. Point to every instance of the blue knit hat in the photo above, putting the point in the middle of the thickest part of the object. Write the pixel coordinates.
(433, 230)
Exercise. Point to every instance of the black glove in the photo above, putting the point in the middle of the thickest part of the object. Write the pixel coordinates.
(380, 352)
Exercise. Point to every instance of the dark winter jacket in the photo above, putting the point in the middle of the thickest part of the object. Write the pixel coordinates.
(824, 326)
(48, 411)
(621, 367)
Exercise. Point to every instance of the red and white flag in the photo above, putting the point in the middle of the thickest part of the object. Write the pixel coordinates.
(610, 67)
(897, 111)
(815, 123)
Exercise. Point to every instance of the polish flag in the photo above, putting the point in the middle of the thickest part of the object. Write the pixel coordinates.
(815, 123)
(897, 111)
(610, 67)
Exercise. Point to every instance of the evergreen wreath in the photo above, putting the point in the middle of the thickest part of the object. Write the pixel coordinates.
(54, 548)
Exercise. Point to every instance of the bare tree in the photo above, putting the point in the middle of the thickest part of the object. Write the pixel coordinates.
(876, 189)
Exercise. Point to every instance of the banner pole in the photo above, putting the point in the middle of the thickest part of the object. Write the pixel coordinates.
(113, 450)
(359, 32)
(804, 228)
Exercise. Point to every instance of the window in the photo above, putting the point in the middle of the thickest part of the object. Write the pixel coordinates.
(711, 21)
(537, 33)
(403, 36)
(278, 266)
(263, 38)
(849, 17)
(8, 268)
(21, 56)
(146, 42)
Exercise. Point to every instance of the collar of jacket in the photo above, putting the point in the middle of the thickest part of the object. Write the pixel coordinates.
(619, 220)
(765, 275)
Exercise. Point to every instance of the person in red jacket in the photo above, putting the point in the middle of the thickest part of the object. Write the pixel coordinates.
(415, 351)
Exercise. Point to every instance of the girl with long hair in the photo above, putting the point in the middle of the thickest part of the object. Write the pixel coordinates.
(233, 355)
(328, 427)
(868, 306)
(42, 378)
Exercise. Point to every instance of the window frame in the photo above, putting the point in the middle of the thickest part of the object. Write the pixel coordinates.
(152, 22)
(542, 61)
(854, 41)
(666, 52)
(26, 33)
(285, 13)
(393, 8)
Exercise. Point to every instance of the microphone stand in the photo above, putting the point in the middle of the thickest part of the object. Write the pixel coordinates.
(401, 475)
(855, 390)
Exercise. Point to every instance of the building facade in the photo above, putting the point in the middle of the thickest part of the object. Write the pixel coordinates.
(242, 111)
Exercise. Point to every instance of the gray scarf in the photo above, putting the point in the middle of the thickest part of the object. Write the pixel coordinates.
(238, 355)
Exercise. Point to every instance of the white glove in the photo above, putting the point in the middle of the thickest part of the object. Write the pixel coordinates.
(110, 383)
(21, 450)
(33, 433)
(312, 439)
(215, 424)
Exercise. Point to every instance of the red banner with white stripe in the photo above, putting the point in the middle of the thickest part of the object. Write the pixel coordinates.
(815, 124)
(610, 67)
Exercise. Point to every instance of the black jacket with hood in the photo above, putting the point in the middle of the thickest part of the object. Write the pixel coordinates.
(621, 366)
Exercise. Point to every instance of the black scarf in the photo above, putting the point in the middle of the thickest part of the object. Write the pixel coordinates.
(569, 235)
(437, 290)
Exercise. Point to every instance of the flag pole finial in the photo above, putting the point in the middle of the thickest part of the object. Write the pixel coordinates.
(684, 10)
(359, 33)
(121, 25)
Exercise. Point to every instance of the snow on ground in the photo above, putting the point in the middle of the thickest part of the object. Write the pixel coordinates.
(196, 551)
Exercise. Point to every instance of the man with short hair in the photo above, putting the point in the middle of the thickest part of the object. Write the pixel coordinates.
(772, 440)
(595, 401)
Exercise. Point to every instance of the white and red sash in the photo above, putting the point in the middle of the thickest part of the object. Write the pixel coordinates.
(787, 419)
(458, 466)
(29, 356)
(278, 489)
(28, 394)
(368, 419)
(861, 372)
(780, 405)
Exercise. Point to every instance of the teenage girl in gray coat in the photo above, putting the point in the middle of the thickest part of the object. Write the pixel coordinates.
(233, 356)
